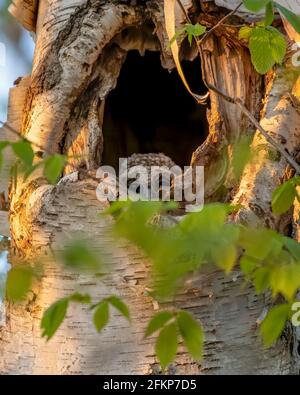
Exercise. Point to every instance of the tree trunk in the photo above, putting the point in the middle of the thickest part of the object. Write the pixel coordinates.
(80, 50)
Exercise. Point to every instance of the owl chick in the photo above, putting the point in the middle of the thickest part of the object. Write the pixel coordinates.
(108, 184)
(149, 160)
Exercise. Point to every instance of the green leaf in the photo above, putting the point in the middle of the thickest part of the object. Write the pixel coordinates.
(116, 207)
(293, 247)
(210, 219)
(248, 265)
(53, 317)
(290, 16)
(285, 278)
(19, 281)
(101, 315)
(269, 18)
(283, 197)
(24, 151)
(80, 298)
(53, 167)
(267, 47)
(31, 169)
(241, 155)
(81, 256)
(195, 30)
(258, 243)
(260, 50)
(255, 5)
(191, 333)
(158, 321)
(166, 345)
(296, 180)
(225, 257)
(278, 44)
(118, 304)
(14, 174)
(4, 144)
(274, 323)
(261, 279)
(177, 35)
(245, 32)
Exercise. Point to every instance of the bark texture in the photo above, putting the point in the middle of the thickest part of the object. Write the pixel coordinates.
(80, 49)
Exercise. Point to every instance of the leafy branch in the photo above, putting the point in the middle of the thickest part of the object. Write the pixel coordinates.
(170, 326)
(53, 164)
(267, 44)
(267, 259)
(54, 316)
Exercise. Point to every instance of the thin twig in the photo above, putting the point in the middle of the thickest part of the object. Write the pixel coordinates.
(221, 21)
(270, 140)
(186, 15)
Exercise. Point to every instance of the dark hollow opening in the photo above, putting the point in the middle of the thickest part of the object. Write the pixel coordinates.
(150, 111)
